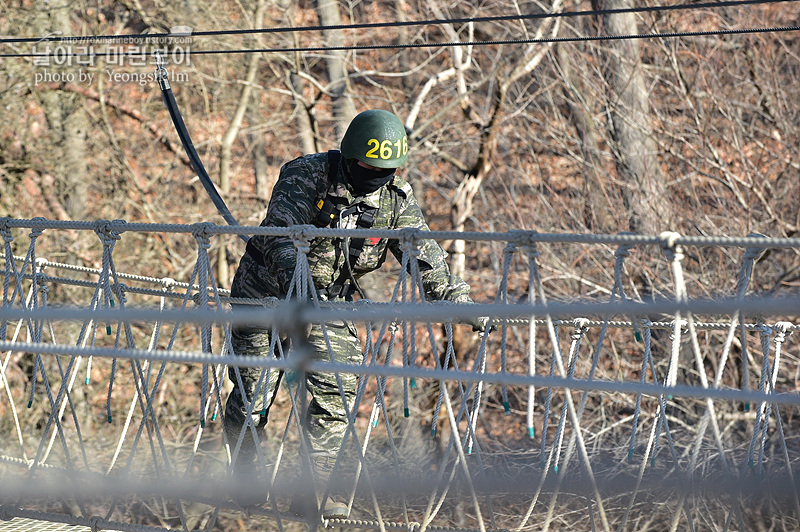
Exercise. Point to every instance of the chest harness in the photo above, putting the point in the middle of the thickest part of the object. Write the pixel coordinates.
(332, 210)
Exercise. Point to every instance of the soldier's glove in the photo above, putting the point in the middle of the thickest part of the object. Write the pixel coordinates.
(479, 324)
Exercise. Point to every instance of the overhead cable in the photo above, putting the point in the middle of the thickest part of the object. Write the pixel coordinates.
(393, 24)
(547, 40)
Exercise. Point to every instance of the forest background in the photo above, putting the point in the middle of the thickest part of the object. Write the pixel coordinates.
(575, 132)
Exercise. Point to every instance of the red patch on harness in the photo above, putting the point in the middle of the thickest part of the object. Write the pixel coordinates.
(374, 241)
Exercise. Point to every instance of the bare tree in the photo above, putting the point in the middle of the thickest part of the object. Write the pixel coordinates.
(644, 189)
(579, 100)
(68, 125)
(341, 100)
(519, 65)
(244, 100)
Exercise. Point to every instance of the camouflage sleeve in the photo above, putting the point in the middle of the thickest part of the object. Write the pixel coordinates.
(292, 203)
(439, 284)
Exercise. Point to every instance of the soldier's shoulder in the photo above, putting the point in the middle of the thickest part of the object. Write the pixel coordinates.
(402, 187)
(310, 163)
(308, 172)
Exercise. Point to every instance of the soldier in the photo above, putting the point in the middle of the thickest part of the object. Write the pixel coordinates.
(355, 188)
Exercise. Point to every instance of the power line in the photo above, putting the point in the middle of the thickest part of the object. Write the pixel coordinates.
(667, 35)
(547, 40)
(393, 24)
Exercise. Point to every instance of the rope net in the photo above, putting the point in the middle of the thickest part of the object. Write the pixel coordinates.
(604, 409)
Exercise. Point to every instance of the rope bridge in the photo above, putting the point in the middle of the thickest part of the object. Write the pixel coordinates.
(596, 412)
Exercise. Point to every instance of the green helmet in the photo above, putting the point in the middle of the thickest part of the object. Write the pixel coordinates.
(377, 138)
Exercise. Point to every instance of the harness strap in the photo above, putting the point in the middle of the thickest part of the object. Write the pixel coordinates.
(345, 284)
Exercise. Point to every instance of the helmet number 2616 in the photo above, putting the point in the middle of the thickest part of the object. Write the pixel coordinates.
(387, 149)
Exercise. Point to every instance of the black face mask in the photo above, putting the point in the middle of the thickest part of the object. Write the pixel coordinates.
(365, 181)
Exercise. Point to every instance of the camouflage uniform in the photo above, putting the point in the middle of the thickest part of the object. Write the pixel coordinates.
(302, 183)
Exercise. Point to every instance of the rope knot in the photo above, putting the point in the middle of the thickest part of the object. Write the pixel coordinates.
(682, 323)
(37, 226)
(526, 240)
(754, 253)
(168, 284)
(409, 235)
(518, 236)
(94, 523)
(5, 229)
(581, 324)
(624, 249)
(106, 232)
(783, 329)
(202, 233)
(511, 247)
(408, 241)
(41, 264)
(300, 239)
(669, 245)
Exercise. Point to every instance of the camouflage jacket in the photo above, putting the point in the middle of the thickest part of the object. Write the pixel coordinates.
(302, 183)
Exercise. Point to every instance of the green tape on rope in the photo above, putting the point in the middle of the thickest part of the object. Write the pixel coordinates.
(30, 403)
(506, 408)
(555, 468)
(413, 383)
(202, 423)
(108, 327)
(109, 419)
(630, 455)
(405, 412)
(638, 336)
(433, 432)
(87, 380)
(469, 449)
(214, 417)
(747, 407)
(531, 432)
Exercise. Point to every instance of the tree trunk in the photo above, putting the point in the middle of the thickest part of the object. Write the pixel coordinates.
(306, 126)
(597, 212)
(644, 190)
(403, 60)
(260, 161)
(238, 115)
(68, 125)
(343, 107)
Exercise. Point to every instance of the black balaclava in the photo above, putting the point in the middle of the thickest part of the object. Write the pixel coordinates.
(365, 181)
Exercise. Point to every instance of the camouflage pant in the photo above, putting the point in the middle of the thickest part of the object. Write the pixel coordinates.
(325, 420)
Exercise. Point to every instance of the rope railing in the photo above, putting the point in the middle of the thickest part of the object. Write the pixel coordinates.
(674, 381)
(520, 237)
